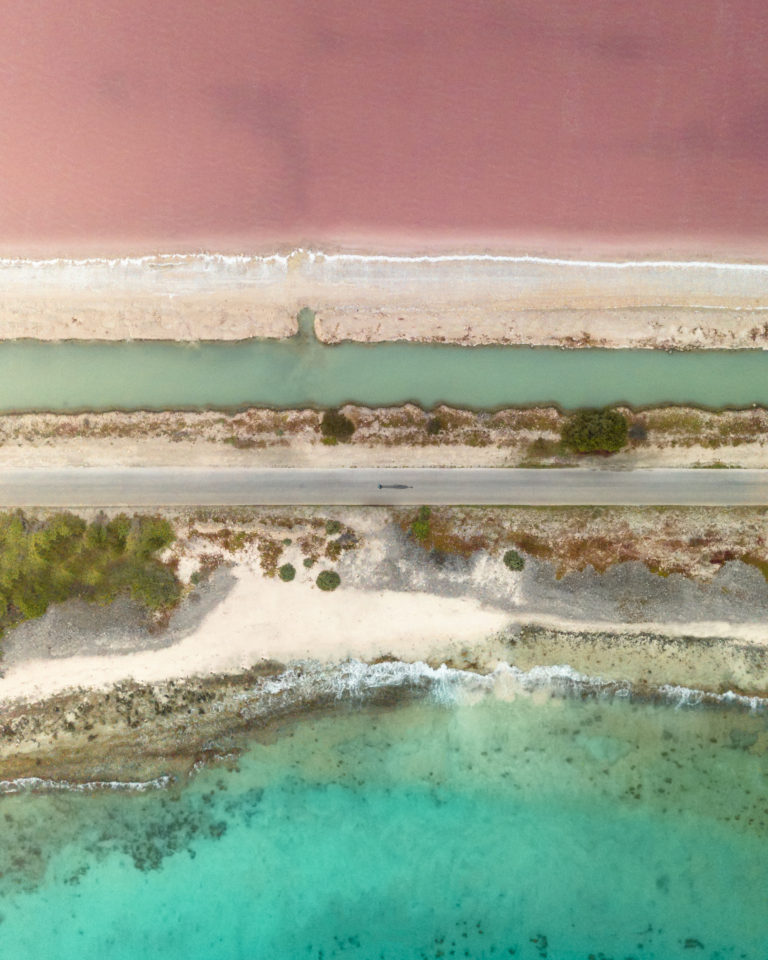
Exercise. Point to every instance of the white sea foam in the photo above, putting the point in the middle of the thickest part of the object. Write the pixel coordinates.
(299, 254)
(308, 681)
(689, 697)
(355, 679)
(307, 274)
(159, 259)
(318, 255)
(32, 784)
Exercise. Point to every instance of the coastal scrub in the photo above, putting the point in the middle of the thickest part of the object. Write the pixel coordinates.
(595, 431)
(334, 425)
(62, 557)
(420, 528)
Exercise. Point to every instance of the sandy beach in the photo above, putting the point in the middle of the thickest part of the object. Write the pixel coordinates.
(453, 297)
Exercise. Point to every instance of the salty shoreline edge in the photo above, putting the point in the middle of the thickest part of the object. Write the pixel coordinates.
(461, 298)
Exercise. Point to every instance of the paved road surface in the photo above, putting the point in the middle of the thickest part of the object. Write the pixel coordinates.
(135, 487)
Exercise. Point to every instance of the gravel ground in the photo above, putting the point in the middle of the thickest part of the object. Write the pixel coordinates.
(626, 593)
(76, 628)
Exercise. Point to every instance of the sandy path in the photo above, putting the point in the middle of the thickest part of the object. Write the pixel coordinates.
(264, 618)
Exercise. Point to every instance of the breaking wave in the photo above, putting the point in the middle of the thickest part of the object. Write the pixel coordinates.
(319, 256)
(310, 683)
(38, 784)
(356, 680)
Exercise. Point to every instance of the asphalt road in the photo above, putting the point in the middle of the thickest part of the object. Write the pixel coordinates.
(141, 487)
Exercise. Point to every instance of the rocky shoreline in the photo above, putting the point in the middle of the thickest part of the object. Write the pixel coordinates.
(101, 695)
(144, 736)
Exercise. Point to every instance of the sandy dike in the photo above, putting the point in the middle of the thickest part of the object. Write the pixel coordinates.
(461, 298)
(93, 694)
(384, 437)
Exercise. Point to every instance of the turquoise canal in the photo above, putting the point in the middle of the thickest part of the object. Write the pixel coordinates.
(297, 372)
(526, 827)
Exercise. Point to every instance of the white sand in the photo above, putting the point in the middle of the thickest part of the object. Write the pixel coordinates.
(263, 618)
(458, 298)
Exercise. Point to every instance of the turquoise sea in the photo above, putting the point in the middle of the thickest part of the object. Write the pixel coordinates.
(527, 826)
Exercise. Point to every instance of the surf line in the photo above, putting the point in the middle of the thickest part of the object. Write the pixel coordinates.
(319, 256)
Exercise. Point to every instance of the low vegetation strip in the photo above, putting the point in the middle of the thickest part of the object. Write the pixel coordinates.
(693, 541)
(511, 437)
(61, 557)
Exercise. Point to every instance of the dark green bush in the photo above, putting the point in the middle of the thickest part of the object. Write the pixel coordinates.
(336, 426)
(332, 527)
(149, 535)
(595, 431)
(308, 562)
(287, 572)
(153, 584)
(96, 535)
(328, 580)
(434, 426)
(513, 560)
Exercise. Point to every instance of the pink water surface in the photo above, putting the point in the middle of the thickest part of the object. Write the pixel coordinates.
(164, 123)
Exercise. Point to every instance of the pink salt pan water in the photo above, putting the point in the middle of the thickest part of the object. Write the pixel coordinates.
(136, 125)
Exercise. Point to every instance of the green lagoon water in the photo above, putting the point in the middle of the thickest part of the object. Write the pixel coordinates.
(530, 827)
(287, 373)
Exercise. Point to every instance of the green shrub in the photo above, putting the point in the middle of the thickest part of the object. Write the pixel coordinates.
(513, 560)
(153, 584)
(328, 580)
(287, 572)
(118, 529)
(593, 431)
(335, 425)
(96, 534)
(434, 426)
(332, 527)
(308, 562)
(420, 526)
(149, 535)
(52, 560)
